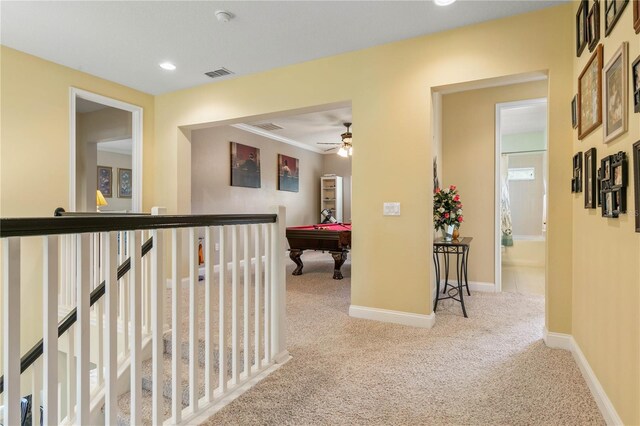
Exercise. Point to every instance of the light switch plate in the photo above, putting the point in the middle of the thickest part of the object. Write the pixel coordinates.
(391, 209)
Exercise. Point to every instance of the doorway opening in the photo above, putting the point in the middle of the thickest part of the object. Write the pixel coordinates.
(521, 196)
(105, 149)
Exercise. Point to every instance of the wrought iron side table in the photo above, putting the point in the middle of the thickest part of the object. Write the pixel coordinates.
(459, 248)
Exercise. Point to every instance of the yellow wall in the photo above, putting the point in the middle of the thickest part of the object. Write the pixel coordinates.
(34, 153)
(606, 258)
(468, 161)
(390, 90)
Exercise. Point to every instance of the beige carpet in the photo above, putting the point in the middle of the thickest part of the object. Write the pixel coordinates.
(492, 368)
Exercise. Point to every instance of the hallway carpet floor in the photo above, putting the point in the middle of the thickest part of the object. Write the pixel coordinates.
(492, 368)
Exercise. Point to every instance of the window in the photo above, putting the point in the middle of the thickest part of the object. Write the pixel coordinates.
(522, 173)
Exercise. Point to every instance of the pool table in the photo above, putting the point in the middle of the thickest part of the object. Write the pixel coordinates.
(332, 237)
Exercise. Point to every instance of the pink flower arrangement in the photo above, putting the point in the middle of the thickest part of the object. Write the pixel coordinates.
(447, 208)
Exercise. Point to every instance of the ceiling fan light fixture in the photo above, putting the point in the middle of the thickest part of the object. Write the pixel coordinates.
(350, 150)
(342, 152)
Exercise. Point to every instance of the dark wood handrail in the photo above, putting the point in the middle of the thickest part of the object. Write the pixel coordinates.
(34, 226)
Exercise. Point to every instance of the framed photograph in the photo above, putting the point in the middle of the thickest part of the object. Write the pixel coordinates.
(636, 178)
(245, 166)
(124, 183)
(581, 27)
(576, 181)
(288, 173)
(599, 186)
(574, 111)
(612, 11)
(590, 179)
(593, 26)
(635, 84)
(105, 179)
(615, 94)
(613, 185)
(590, 95)
(636, 16)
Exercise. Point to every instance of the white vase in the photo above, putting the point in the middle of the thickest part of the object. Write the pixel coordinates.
(447, 233)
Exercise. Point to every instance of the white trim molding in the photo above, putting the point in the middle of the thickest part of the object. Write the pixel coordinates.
(267, 134)
(395, 317)
(567, 342)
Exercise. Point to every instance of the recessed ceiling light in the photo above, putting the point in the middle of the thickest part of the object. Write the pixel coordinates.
(444, 2)
(167, 66)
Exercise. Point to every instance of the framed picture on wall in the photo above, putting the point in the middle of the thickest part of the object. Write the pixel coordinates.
(612, 11)
(613, 184)
(590, 178)
(636, 16)
(124, 183)
(590, 95)
(105, 179)
(574, 111)
(593, 25)
(245, 166)
(636, 179)
(288, 173)
(635, 84)
(576, 182)
(581, 27)
(615, 94)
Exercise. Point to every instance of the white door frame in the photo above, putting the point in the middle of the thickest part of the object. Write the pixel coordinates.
(498, 185)
(136, 142)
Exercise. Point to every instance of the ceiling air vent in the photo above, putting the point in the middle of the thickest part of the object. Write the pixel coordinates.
(267, 126)
(221, 72)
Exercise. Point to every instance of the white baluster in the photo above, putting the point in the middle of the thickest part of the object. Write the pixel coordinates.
(110, 267)
(98, 307)
(83, 328)
(135, 287)
(193, 324)
(257, 232)
(157, 316)
(235, 312)
(11, 328)
(208, 314)
(246, 298)
(147, 287)
(176, 327)
(278, 288)
(50, 329)
(222, 337)
(267, 294)
(71, 372)
(36, 387)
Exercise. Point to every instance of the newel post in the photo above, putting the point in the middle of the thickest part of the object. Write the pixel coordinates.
(279, 351)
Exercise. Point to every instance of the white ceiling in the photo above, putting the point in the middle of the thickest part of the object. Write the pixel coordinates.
(309, 130)
(124, 41)
(523, 119)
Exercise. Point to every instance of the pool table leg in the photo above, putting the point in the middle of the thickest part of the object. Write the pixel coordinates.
(295, 254)
(339, 257)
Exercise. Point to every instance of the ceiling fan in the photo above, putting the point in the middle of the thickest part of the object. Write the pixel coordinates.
(346, 148)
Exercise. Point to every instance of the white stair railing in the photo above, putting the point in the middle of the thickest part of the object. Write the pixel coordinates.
(245, 279)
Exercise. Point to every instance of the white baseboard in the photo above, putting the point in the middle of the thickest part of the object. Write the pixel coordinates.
(473, 286)
(395, 317)
(557, 340)
(482, 286)
(567, 342)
